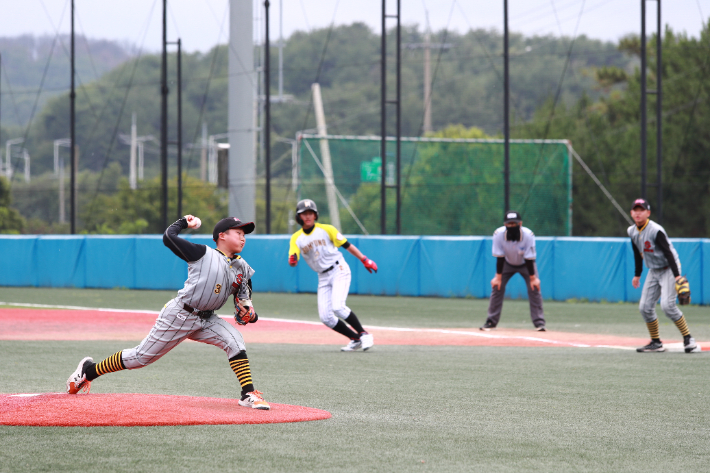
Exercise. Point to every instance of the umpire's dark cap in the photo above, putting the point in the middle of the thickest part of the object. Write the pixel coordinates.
(231, 222)
(512, 216)
(643, 203)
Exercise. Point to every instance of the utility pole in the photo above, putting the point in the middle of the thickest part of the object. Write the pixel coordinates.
(164, 120)
(659, 116)
(325, 154)
(132, 182)
(72, 134)
(427, 79)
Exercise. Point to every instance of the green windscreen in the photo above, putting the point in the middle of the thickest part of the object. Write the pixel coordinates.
(447, 187)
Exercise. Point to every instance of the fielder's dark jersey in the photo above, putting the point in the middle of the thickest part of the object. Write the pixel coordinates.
(212, 276)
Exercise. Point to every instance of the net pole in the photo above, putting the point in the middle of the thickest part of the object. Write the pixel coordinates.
(383, 117)
(506, 109)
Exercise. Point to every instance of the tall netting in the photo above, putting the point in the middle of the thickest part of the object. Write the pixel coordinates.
(447, 186)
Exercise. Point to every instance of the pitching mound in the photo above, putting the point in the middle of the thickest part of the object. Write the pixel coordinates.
(130, 410)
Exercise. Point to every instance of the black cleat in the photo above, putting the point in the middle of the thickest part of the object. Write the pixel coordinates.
(487, 326)
(654, 346)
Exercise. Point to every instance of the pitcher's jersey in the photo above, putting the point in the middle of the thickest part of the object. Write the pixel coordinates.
(645, 241)
(319, 248)
(213, 278)
(515, 252)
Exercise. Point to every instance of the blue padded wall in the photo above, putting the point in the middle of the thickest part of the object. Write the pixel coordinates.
(581, 268)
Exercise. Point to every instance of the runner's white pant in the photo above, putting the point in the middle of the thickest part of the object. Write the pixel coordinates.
(333, 288)
(659, 283)
(173, 326)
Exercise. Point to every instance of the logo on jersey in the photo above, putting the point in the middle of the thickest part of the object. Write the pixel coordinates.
(239, 279)
(306, 249)
(217, 288)
(647, 247)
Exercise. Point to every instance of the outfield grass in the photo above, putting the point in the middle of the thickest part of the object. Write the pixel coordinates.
(395, 408)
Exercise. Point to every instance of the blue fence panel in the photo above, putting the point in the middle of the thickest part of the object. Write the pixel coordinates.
(110, 261)
(590, 268)
(17, 265)
(690, 252)
(452, 266)
(398, 264)
(156, 266)
(61, 261)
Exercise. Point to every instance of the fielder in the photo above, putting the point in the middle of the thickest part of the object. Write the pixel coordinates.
(514, 250)
(213, 276)
(650, 243)
(318, 244)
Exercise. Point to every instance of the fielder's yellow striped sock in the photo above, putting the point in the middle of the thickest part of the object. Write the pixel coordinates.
(243, 372)
(653, 329)
(111, 364)
(682, 326)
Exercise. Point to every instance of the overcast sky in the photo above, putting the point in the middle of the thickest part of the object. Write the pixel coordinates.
(203, 23)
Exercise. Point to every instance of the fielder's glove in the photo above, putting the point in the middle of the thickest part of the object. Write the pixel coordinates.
(244, 312)
(369, 264)
(682, 288)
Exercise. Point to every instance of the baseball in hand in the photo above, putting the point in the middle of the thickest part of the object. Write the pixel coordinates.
(193, 222)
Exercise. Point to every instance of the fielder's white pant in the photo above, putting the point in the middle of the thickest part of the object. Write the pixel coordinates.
(174, 325)
(333, 288)
(659, 283)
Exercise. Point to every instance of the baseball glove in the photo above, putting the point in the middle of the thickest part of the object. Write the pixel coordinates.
(682, 288)
(244, 312)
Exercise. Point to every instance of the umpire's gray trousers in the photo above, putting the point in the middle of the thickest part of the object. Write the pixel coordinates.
(659, 283)
(535, 297)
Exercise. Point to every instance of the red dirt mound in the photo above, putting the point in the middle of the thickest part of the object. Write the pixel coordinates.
(129, 410)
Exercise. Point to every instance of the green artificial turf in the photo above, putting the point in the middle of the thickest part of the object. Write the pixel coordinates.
(395, 408)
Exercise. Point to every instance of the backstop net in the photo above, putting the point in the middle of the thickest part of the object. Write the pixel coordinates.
(446, 186)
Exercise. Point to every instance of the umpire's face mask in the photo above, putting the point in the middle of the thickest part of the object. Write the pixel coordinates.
(512, 233)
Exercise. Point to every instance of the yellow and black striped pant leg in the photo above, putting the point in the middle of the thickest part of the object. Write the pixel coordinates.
(111, 364)
(682, 326)
(240, 366)
(653, 329)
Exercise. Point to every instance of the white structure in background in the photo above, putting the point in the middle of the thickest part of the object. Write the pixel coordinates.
(137, 144)
(325, 154)
(26, 157)
(59, 172)
(8, 156)
(213, 147)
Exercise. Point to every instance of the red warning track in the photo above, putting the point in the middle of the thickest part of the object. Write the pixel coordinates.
(132, 410)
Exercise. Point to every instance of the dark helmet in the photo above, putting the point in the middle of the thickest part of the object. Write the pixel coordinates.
(302, 206)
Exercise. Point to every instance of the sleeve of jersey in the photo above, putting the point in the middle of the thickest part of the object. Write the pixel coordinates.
(530, 253)
(246, 288)
(662, 243)
(293, 248)
(183, 249)
(335, 236)
(497, 249)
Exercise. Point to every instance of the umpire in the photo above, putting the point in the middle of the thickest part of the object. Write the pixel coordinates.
(514, 250)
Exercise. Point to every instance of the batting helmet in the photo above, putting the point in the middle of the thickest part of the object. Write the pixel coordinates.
(302, 206)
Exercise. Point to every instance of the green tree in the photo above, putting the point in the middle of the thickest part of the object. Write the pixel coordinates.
(10, 219)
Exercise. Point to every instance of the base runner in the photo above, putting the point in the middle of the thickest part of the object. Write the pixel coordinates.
(213, 276)
(650, 243)
(318, 244)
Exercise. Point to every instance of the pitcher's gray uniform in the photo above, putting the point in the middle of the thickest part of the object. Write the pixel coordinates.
(213, 276)
(211, 280)
(660, 281)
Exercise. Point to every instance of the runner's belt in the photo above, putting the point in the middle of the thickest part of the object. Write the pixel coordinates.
(323, 272)
(200, 313)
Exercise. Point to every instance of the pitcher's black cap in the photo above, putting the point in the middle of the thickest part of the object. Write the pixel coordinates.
(231, 222)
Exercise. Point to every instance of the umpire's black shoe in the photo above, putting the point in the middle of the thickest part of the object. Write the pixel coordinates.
(487, 326)
(541, 328)
(651, 347)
